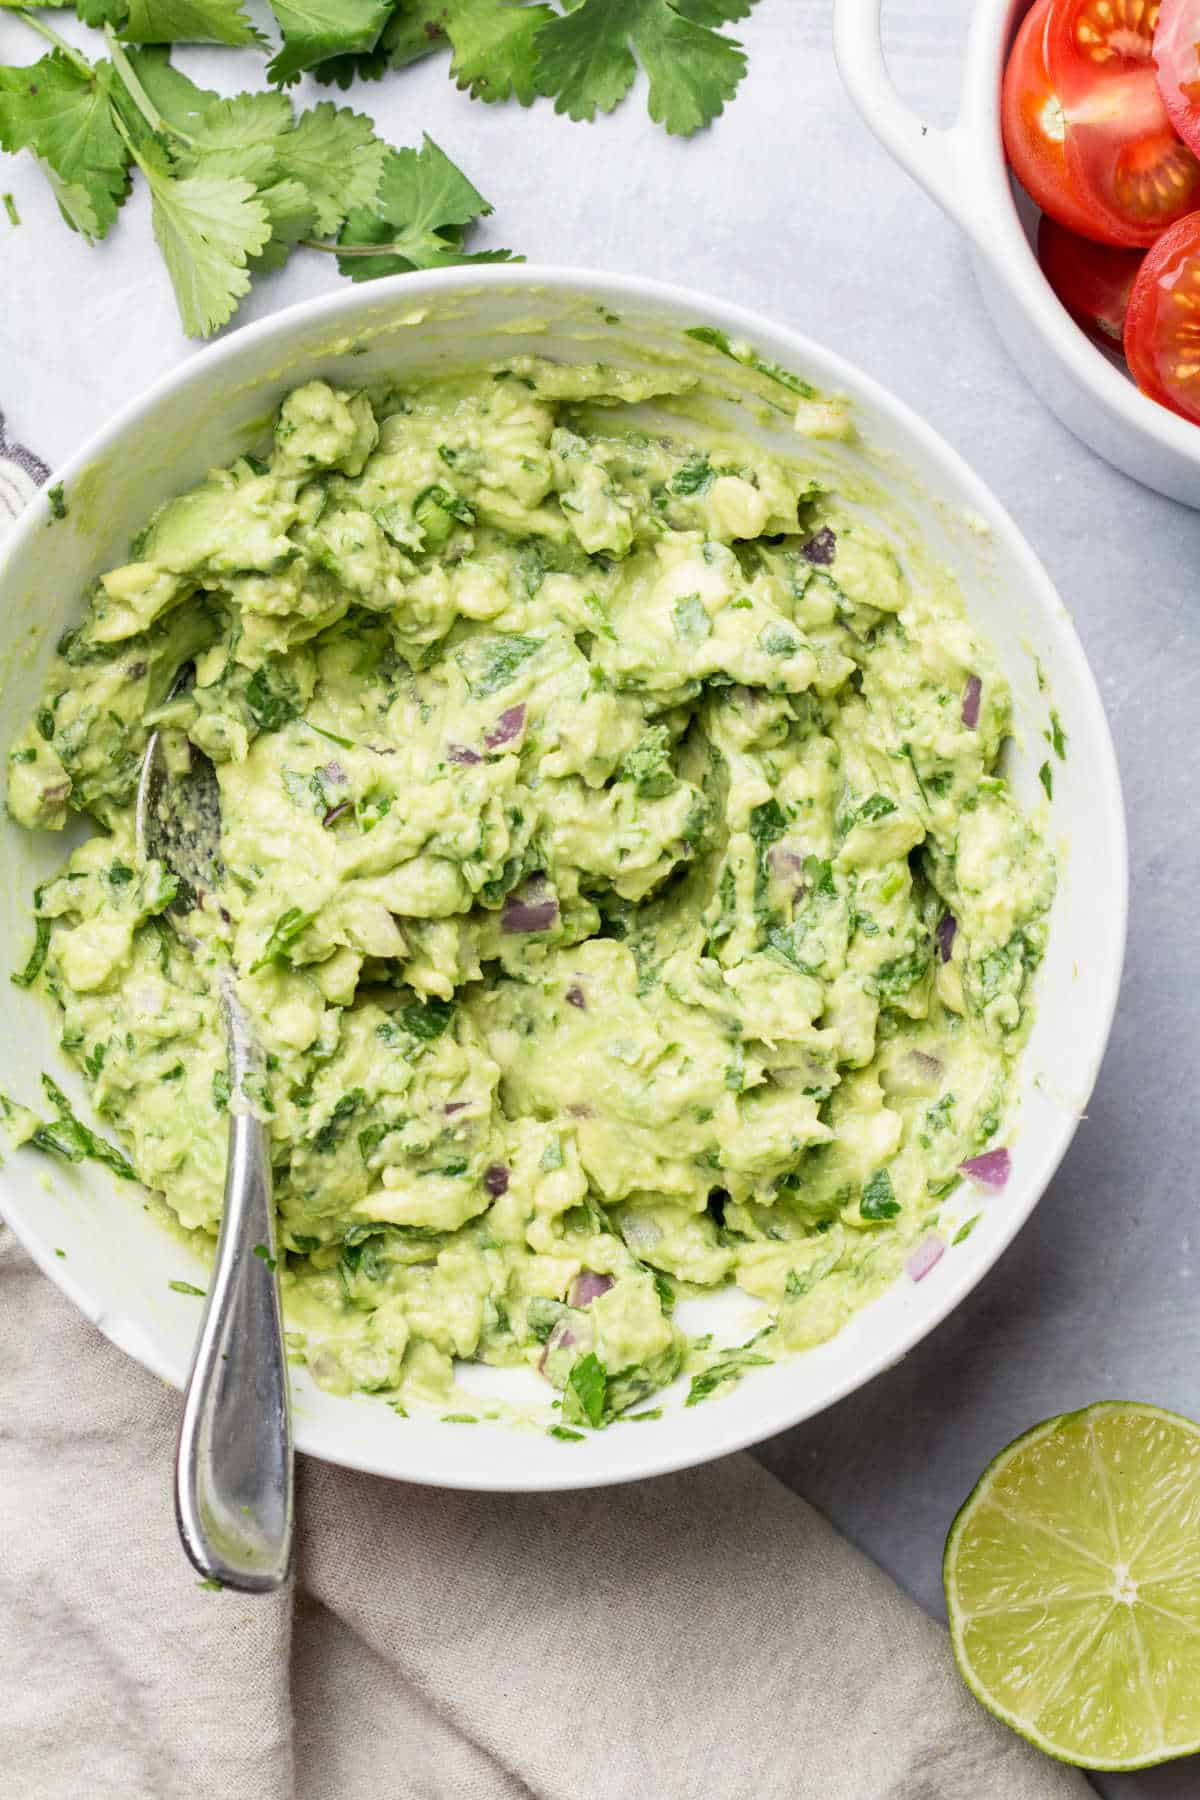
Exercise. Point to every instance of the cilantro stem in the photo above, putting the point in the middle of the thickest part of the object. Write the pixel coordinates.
(132, 148)
(336, 249)
(51, 36)
(138, 94)
(394, 249)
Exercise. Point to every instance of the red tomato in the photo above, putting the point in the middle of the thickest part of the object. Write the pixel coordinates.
(1034, 127)
(1121, 148)
(1093, 281)
(1162, 327)
(1177, 60)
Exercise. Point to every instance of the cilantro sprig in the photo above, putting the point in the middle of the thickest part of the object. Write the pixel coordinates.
(235, 184)
(582, 54)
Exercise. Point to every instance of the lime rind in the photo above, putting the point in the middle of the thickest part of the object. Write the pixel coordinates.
(1087, 1529)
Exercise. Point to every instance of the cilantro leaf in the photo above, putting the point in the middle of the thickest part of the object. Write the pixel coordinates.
(286, 929)
(293, 215)
(338, 159)
(207, 227)
(69, 1137)
(496, 48)
(62, 112)
(238, 136)
(26, 977)
(75, 205)
(586, 58)
(725, 1368)
(587, 1388)
(416, 29)
(179, 102)
(648, 765)
(879, 1197)
(498, 661)
(314, 30)
(426, 1021)
(419, 220)
(185, 22)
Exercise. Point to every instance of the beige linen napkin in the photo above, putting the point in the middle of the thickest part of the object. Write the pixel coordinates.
(706, 1634)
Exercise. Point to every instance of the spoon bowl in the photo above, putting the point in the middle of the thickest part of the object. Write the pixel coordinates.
(234, 1478)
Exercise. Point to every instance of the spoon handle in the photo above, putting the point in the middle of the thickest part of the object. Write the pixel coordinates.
(234, 1473)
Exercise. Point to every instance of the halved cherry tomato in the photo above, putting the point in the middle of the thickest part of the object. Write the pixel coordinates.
(1093, 281)
(1177, 61)
(1035, 129)
(1162, 327)
(1121, 149)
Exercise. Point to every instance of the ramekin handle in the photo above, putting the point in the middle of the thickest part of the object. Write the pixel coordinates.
(934, 157)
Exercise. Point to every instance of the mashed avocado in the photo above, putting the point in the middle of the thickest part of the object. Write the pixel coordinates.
(616, 866)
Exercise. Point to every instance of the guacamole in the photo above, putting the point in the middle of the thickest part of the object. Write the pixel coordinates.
(617, 869)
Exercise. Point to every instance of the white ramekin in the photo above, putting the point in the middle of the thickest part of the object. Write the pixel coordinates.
(964, 170)
(89, 1232)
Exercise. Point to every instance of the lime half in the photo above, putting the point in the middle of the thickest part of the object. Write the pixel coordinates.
(1073, 1586)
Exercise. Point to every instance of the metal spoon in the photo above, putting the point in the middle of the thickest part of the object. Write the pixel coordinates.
(234, 1474)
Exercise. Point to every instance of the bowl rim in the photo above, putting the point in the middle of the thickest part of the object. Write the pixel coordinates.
(998, 235)
(726, 1428)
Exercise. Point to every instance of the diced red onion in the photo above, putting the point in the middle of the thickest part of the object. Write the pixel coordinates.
(508, 726)
(530, 908)
(561, 1338)
(947, 928)
(785, 861)
(576, 997)
(455, 1106)
(970, 703)
(929, 1066)
(335, 813)
(588, 1286)
(991, 1169)
(495, 1179)
(822, 548)
(925, 1257)
(334, 772)
(459, 753)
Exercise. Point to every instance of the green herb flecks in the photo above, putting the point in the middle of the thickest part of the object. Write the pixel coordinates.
(739, 351)
(1056, 737)
(70, 1138)
(26, 977)
(879, 1197)
(725, 1369)
(586, 1390)
(286, 929)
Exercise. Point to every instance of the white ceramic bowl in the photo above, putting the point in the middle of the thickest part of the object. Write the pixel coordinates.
(964, 170)
(117, 1262)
